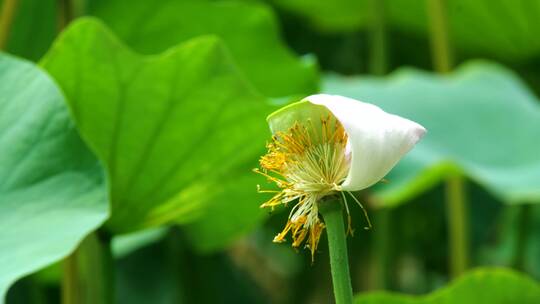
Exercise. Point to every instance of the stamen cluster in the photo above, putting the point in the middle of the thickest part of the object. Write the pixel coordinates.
(307, 162)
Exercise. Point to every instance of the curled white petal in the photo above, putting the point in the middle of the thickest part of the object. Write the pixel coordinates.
(377, 140)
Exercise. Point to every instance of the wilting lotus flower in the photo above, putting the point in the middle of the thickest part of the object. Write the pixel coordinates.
(325, 145)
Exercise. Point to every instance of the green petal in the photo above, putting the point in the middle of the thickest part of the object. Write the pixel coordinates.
(301, 112)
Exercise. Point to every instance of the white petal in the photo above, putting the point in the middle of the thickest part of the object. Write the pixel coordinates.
(378, 140)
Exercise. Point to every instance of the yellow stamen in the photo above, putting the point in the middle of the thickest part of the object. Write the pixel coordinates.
(307, 164)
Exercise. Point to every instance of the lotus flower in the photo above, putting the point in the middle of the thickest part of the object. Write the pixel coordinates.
(329, 145)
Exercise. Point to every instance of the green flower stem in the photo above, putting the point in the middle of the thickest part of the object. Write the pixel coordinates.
(378, 58)
(440, 42)
(339, 261)
(88, 272)
(7, 14)
(457, 225)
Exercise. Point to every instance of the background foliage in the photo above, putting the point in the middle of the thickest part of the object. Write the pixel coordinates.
(134, 125)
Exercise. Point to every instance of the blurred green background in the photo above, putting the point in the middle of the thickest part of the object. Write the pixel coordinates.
(171, 97)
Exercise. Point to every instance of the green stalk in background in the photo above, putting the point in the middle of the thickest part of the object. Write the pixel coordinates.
(441, 51)
(68, 10)
(70, 280)
(378, 64)
(381, 275)
(88, 272)
(65, 13)
(7, 15)
(455, 184)
(97, 263)
(458, 228)
(339, 261)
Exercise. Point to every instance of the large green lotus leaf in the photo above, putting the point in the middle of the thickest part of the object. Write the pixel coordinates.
(166, 126)
(231, 211)
(52, 190)
(481, 120)
(33, 29)
(249, 30)
(483, 285)
(503, 28)
(224, 222)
